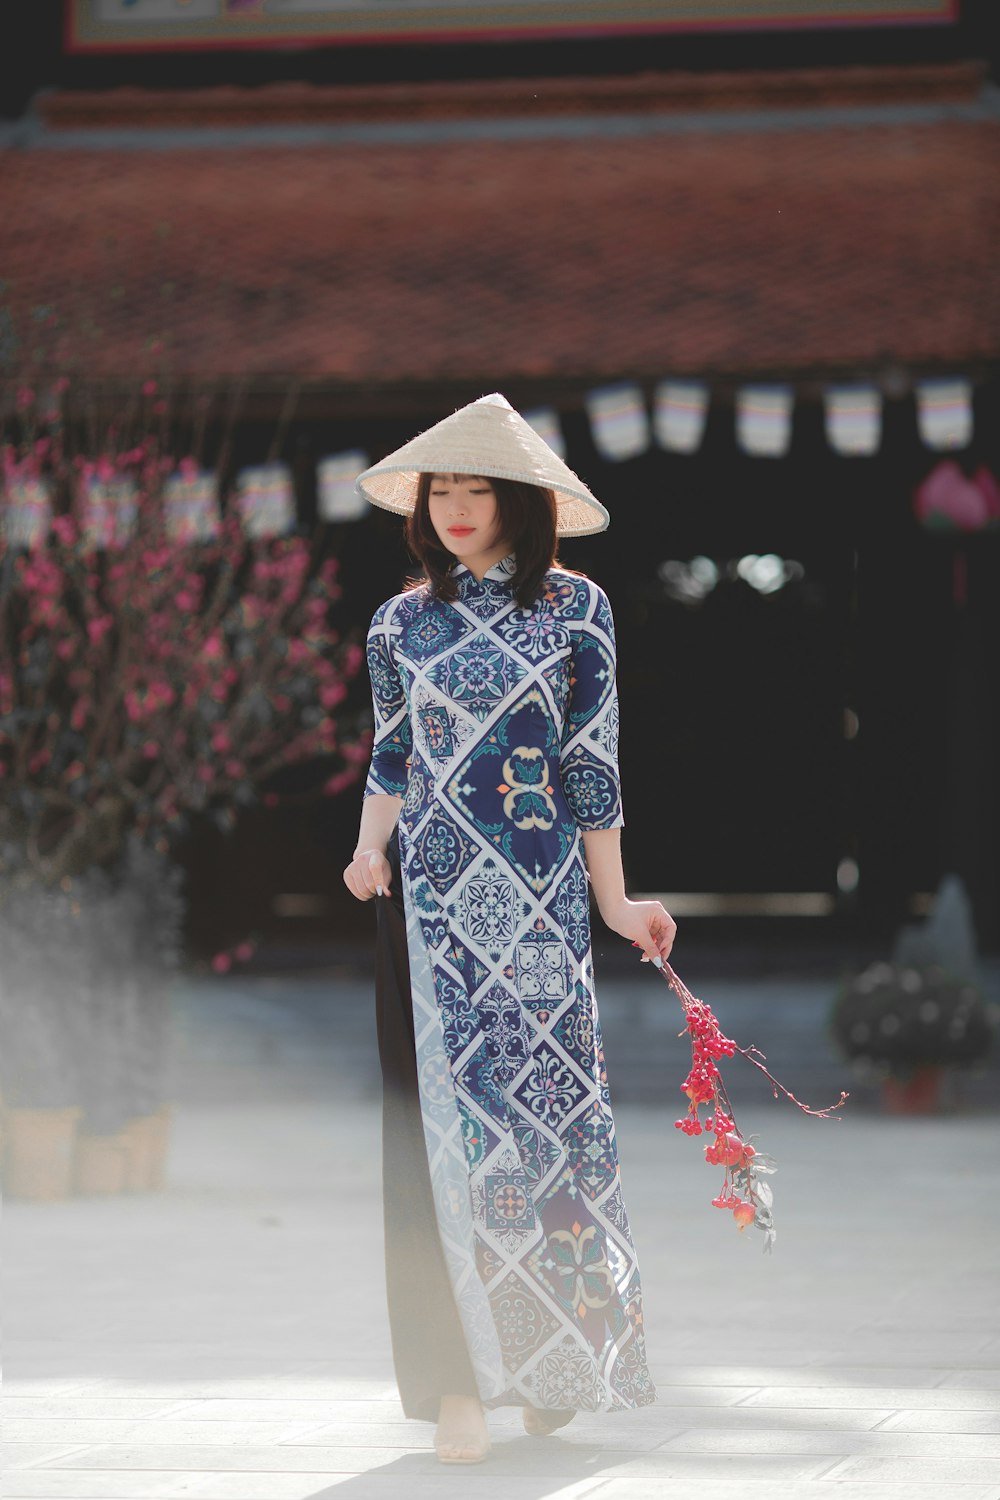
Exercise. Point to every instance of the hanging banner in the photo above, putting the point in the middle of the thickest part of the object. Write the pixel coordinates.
(191, 507)
(266, 500)
(109, 510)
(138, 25)
(337, 495)
(618, 421)
(680, 409)
(944, 413)
(545, 422)
(26, 506)
(853, 418)
(764, 419)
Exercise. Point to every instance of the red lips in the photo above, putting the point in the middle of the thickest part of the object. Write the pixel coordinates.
(460, 530)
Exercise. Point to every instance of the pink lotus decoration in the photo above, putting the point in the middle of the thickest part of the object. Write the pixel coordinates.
(948, 500)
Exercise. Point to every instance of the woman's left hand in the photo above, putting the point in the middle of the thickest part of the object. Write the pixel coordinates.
(646, 923)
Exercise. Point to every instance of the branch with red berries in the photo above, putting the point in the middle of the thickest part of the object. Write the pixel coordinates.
(745, 1189)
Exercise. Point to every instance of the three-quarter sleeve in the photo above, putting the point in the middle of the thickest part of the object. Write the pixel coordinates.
(393, 741)
(588, 759)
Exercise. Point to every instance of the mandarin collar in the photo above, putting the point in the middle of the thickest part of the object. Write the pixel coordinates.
(500, 572)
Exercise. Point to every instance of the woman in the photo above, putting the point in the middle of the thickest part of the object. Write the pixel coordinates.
(492, 798)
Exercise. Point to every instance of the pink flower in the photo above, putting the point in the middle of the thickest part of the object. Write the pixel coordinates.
(221, 742)
(64, 530)
(222, 963)
(98, 629)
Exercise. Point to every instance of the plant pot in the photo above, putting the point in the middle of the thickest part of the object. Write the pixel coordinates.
(918, 1095)
(135, 1173)
(146, 1139)
(99, 1164)
(158, 1137)
(38, 1151)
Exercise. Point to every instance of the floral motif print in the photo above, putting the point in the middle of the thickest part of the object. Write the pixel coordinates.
(498, 725)
(528, 801)
(553, 1088)
(582, 1266)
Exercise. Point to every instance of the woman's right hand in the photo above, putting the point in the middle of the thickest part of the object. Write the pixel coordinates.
(368, 871)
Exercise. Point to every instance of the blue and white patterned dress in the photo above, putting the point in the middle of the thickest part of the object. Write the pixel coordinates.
(498, 726)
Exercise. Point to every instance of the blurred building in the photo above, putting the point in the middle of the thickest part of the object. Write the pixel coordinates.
(745, 278)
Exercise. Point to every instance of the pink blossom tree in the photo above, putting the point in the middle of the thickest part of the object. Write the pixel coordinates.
(145, 678)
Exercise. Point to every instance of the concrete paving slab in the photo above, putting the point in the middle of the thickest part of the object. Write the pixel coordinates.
(806, 1375)
(430, 1483)
(749, 1419)
(940, 1421)
(914, 1398)
(23, 1455)
(137, 1432)
(665, 1468)
(821, 1489)
(73, 1485)
(880, 1444)
(303, 1409)
(926, 1471)
(80, 1407)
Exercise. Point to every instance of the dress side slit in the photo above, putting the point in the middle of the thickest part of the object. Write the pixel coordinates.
(429, 1350)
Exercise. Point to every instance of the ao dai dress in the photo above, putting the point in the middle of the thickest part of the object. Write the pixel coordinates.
(498, 725)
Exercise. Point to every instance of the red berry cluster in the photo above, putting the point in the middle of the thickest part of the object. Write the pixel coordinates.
(745, 1190)
(707, 1044)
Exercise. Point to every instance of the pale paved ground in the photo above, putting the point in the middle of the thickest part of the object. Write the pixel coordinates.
(227, 1338)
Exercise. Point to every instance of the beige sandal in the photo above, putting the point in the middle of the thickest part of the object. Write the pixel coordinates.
(478, 1456)
(542, 1423)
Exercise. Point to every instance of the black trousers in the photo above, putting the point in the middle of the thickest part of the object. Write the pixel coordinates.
(430, 1354)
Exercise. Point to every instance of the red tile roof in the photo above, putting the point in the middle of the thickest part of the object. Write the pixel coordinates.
(472, 98)
(826, 248)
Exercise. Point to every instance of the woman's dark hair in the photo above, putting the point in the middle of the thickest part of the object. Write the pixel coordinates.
(527, 515)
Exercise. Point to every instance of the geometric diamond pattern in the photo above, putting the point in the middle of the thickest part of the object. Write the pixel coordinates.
(500, 721)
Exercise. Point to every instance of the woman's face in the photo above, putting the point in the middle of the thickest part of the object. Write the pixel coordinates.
(463, 512)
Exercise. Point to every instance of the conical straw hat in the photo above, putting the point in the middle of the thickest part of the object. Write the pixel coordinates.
(486, 437)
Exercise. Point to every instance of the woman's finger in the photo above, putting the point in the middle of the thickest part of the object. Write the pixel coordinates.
(667, 933)
(375, 868)
(355, 886)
